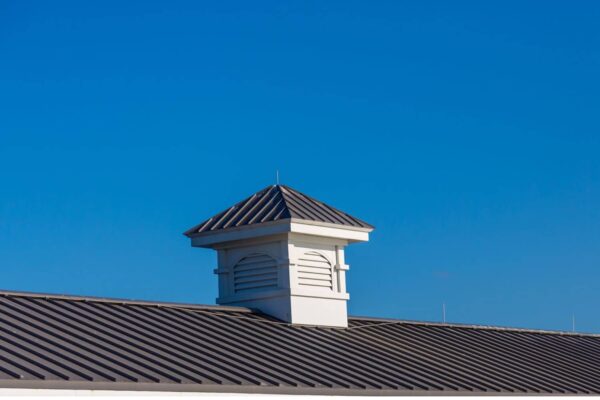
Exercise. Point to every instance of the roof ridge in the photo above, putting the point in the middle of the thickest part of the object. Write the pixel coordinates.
(327, 206)
(374, 321)
(116, 300)
(379, 321)
(282, 189)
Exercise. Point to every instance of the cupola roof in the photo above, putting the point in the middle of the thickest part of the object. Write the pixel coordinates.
(277, 203)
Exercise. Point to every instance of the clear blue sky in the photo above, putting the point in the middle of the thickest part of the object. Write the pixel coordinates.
(468, 133)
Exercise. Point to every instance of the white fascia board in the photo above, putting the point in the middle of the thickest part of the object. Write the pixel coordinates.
(352, 234)
(330, 231)
(18, 393)
(329, 224)
(211, 392)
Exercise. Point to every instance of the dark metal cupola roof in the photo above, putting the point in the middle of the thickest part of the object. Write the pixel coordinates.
(277, 203)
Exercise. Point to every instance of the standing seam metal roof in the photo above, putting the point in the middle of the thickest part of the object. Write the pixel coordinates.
(276, 203)
(77, 342)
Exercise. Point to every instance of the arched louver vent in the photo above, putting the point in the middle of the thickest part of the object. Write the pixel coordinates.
(314, 270)
(255, 272)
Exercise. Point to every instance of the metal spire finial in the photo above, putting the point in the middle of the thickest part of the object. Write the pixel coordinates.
(444, 312)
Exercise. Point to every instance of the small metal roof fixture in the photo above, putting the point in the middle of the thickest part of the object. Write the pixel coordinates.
(282, 252)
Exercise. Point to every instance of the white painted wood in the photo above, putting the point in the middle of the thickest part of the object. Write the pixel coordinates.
(21, 394)
(292, 270)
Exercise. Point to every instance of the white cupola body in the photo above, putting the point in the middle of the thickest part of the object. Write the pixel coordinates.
(282, 252)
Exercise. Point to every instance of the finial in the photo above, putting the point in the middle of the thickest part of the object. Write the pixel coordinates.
(277, 176)
(444, 312)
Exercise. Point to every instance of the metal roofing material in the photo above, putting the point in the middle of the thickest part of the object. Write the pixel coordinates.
(88, 343)
(276, 203)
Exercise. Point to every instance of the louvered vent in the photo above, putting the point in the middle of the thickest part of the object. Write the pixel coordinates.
(255, 272)
(314, 271)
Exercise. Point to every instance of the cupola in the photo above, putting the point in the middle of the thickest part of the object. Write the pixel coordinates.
(282, 252)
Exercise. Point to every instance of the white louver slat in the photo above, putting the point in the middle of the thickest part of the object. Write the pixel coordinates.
(255, 272)
(315, 271)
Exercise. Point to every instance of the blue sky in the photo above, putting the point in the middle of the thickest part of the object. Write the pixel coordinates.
(468, 133)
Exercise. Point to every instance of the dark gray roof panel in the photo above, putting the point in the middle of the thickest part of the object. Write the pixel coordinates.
(275, 203)
(63, 342)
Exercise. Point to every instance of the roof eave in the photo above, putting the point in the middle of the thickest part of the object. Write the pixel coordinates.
(294, 225)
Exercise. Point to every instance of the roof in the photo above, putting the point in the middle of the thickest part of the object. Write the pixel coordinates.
(89, 343)
(277, 203)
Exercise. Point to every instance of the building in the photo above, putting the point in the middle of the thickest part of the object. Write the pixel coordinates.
(281, 326)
